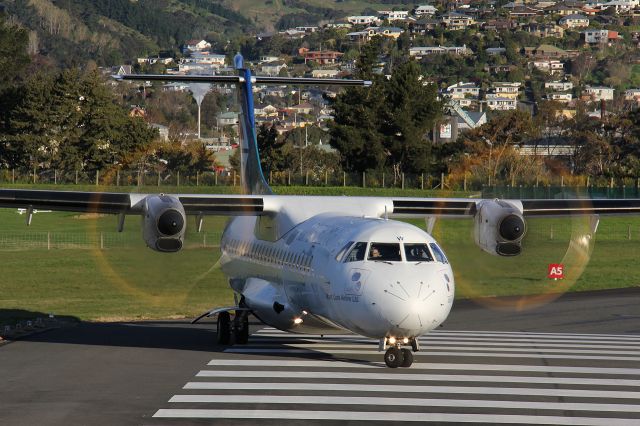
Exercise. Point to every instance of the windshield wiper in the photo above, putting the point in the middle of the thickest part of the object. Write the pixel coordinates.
(383, 261)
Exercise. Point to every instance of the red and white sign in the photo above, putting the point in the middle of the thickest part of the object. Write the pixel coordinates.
(556, 271)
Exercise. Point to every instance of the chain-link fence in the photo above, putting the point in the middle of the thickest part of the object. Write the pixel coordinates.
(26, 240)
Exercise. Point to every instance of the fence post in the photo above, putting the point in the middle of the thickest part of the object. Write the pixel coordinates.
(101, 241)
(344, 178)
(306, 178)
(383, 179)
(289, 178)
(551, 234)
(215, 177)
(402, 180)
(234, 178)
(158, 177)
(139, 177)
(326, 178)
(48, 240)
(464, 184)
(204, 240)
(97, 177)
(628, 232)
(178, 182)
(34, 174)
(118, 177)
(422, 181)
(76, 177)
(55, 177)
(13, 175)
(364, 179)
(611, 183)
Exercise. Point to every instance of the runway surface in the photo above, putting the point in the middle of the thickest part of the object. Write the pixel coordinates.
(573, 361)
(460, 376)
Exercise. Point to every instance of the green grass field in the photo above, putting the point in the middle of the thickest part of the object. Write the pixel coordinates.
(126, 280)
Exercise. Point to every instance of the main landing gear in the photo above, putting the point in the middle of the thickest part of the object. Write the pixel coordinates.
(396, 356)
(236, 330)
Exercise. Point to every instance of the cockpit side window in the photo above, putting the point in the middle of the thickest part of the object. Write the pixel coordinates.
(389, 252)
(343, 250)
(357, 253)
(417, 253)
(438, 253)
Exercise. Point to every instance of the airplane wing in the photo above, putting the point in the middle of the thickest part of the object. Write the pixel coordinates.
(128, 203)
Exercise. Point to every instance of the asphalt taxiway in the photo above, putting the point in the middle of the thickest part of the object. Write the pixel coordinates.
(575, 360)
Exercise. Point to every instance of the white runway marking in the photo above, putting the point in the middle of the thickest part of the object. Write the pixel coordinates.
(423, 402)
(385, 416)
(565, 378)
(417, 377)
(352, 387)
(423, 366)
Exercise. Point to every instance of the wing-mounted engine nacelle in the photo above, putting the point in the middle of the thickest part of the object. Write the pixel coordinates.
(163, 223)
(499, 227)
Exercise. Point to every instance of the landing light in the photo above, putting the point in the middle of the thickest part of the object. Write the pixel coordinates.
(297, 321)
(392, 340)
(405, 340)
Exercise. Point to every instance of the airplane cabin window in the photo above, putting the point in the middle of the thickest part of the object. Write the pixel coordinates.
(357, 253)
(387, 252)
(417, 253)
(438, 253)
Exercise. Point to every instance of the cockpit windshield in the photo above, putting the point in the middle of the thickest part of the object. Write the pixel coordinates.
(386, 252)
(417, 253)
(438, 253)
(357, 253)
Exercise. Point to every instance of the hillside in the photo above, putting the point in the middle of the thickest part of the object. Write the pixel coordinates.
(71, 32)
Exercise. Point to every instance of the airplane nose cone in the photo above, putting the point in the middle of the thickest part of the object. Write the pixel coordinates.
(411, 305)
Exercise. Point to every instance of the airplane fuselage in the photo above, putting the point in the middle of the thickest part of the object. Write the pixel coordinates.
(320, 276)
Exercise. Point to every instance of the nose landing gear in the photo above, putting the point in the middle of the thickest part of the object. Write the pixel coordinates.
(396, 356)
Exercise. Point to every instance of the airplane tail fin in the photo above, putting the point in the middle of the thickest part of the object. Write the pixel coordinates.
(253, 180)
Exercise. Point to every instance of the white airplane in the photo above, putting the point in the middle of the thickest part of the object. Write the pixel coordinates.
(321, 264)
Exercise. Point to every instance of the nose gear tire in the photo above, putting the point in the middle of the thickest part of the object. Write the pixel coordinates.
(393, 357)
(407, 358)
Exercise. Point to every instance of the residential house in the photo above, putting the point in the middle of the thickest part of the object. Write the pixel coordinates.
(360, 36)
(307, 29)
(425, 10)
(205, 58)
(632, 95)
(520, 12)
(598, 93)
(265, 110)
(500, 103)
(362, 20)
(600, 36)
(506, 89)
(456, 21)
(621, 6)
(302, 108)
(394, 15)
(559, 86)
(560, 97)
(325, 73)
(273, 68)
(228, 118)
(419, 52)
(543, 30)
(463, 93)
(499, 24)
(495, 51)
(422, 25)
(268, 58)
(561, 9)
(546, 51)
(552, 66)
(322, 57)
(392, 32)
(195, 46)
(574, 21)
